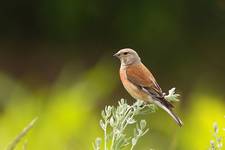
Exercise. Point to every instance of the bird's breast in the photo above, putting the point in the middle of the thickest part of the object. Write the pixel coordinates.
(132, 89)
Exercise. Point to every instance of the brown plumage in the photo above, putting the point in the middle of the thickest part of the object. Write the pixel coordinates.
(140, 83)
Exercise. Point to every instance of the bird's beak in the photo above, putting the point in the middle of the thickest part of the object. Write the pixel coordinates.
(116, 55)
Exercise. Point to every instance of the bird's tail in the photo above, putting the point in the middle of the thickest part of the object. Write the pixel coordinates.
(165, 105)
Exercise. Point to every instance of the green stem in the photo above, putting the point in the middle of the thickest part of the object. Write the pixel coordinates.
(105, 137)
(132, 147)
(113, 139)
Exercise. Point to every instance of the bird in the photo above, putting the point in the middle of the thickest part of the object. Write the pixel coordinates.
(140, 82)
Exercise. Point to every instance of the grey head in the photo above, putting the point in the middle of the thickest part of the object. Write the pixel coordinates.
(127, 56)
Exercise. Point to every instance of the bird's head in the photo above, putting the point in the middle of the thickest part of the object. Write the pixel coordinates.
(127, 56)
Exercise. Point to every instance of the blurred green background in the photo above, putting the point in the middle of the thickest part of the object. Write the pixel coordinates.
(56, 63)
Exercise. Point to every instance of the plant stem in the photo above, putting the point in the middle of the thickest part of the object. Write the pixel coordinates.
(113, 139)
(105, 136)
(132, 147)
(17, 139)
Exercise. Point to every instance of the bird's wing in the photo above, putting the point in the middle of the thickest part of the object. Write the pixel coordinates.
(140, 76)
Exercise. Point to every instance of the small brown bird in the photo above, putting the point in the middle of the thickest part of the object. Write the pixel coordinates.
(140, 83)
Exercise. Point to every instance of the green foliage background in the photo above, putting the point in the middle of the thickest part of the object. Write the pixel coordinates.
(56, 63)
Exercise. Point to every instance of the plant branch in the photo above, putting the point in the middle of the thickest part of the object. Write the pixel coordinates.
(18, 138)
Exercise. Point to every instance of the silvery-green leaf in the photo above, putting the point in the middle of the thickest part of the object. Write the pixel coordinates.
(102, 124)
(116, 131)
(220, 145)
(98, 141)
(212, 143)
(139, 131)
(172, 96)
(142, 124)
(103, 114)
(134, 141)
(111, 122)
(215, 127)
(130, 121)
(109, 109)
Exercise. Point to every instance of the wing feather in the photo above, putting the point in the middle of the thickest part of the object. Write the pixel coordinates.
(140, 76)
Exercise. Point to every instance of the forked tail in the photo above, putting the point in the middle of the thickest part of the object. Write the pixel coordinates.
(168, 108)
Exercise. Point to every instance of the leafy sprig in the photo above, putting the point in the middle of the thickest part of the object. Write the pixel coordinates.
(216, 143)
(114, 122)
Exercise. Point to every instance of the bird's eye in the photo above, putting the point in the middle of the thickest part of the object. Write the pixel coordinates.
(125, 53)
